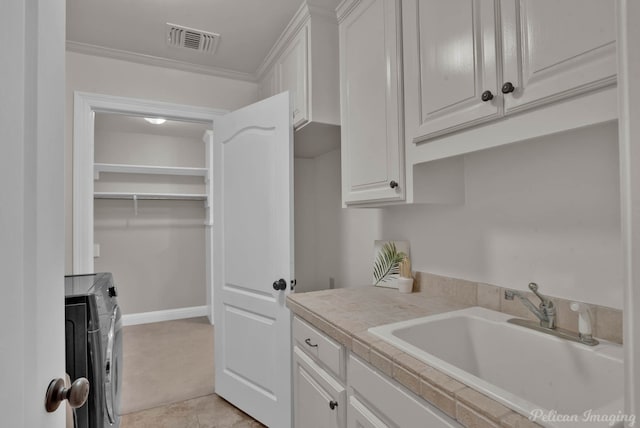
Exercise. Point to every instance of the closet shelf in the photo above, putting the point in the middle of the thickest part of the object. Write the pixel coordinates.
(151, 196)
(147, 169)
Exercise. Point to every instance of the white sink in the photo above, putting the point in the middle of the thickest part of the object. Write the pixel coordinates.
(526, 370)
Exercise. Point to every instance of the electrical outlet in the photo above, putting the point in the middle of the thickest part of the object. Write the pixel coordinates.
(332, 283)
(96, 250)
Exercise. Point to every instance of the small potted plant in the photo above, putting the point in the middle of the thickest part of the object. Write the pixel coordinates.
(391, 264)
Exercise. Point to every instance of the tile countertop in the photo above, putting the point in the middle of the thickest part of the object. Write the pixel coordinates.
(346, 315)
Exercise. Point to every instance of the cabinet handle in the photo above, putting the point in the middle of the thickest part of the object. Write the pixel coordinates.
(393, 184)
(308, 342)
(333, 404)
(487, 96)
(508, 88)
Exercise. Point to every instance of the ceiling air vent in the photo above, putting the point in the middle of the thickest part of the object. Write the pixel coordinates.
(189, 38)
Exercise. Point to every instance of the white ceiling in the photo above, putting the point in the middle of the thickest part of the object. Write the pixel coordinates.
(248, 29)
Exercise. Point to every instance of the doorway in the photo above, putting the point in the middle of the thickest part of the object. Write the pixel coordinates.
(86, 168)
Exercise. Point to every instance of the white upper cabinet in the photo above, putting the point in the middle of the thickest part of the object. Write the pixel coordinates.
(292, 72)
(556, 49)
(450, 64)
(304, 61)
(471, 61)
(268, 85)
(371, 101)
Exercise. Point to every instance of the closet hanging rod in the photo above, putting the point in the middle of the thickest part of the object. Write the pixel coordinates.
(151, 196)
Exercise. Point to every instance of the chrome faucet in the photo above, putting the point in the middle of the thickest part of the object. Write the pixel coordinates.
(546, 311)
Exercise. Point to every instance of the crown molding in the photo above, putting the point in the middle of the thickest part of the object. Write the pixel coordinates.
(298, 21)
(89, 49)
(345, 8)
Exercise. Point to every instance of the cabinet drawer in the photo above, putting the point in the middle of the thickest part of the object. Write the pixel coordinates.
(388, 402)
(315, 343)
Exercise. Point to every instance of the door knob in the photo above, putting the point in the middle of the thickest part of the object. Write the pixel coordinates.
(393, 184)
(508, 88)
(487, 96)
(280, 284)
(76, 394)
(333, 404)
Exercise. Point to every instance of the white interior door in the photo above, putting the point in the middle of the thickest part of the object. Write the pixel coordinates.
(32, 210)
(253, 226)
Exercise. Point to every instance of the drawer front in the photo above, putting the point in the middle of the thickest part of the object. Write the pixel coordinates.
(324, 349)
(389, 401)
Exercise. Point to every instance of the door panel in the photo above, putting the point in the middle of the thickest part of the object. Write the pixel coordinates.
(253, 167)
(32, 217)
(450, 60)
(554, 50)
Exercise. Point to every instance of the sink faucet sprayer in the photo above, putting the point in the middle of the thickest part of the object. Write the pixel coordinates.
(546, 312)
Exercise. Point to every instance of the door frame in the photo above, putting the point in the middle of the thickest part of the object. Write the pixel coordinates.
(84, 108)
(628, 13)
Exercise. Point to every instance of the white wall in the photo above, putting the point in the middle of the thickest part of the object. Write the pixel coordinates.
(331, 242)
(546, 211)
(157, 255)
(114, 77)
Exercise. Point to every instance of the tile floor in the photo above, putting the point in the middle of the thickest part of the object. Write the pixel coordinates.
(210, 411)
(182, 351)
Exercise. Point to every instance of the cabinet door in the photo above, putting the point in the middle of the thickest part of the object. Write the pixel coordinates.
(319, 400)
(450, 62)
(388, 401)
(293, 72)
(361, 417)
(371, 100)
(556, 49)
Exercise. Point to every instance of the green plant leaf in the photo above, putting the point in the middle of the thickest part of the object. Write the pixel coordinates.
(387, 262)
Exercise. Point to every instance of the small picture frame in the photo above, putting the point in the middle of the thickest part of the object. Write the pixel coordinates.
(391, 281)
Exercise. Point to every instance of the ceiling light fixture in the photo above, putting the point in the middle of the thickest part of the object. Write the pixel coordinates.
(155, 120)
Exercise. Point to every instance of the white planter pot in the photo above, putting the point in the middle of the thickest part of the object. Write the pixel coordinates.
(405, 285)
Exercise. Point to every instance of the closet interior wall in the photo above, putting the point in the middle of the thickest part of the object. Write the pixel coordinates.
(154, 248)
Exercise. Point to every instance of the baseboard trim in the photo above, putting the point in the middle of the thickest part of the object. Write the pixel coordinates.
(166, 315)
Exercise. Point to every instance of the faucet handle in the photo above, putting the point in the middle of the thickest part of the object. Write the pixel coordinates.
(545, 301)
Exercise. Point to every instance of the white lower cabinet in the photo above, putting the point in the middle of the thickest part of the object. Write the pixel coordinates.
(375, 401)
(361, 417)
(319, 400)
(332, 389)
